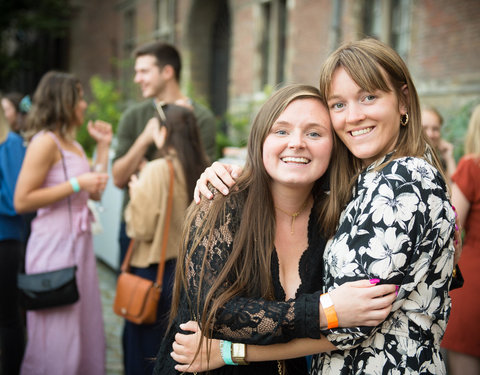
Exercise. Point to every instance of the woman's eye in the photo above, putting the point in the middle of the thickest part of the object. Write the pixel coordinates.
(281, 132)
(370, 98)
(313, 134)
(337, 106)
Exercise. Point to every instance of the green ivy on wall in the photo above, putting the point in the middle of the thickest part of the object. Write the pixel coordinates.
(105, 105)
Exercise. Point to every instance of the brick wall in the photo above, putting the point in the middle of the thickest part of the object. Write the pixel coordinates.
(94, 40)
(445, 50)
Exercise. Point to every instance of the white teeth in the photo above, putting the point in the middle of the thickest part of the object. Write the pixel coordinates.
(295, 160)
(362, 131)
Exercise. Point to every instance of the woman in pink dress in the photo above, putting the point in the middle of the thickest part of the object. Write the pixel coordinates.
(56, 180)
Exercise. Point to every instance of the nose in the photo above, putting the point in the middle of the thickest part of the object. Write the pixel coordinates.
(296, 140)
(355, 113)
(136, 78)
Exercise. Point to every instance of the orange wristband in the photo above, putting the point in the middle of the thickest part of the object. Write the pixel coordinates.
(329, 308)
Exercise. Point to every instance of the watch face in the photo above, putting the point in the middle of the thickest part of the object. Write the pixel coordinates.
(326, 301)
(238, 351)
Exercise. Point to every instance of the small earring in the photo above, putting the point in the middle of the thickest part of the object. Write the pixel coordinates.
(404, 119)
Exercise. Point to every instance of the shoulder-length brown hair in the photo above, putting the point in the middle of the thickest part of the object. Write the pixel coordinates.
(248, 265)
(54, 104)
(375, 66)
(184, 137)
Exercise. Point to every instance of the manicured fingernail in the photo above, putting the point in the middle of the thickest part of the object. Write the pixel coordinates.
(453, 207)
(456, 242)
(456, 227)
(396, 290)
(225, 191)
(374, 281)
(182, 325)
(234, 174)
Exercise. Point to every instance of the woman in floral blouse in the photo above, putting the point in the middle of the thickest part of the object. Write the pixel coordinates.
(397, 224)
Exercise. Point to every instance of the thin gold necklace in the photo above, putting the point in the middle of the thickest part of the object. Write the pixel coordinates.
(295, 214)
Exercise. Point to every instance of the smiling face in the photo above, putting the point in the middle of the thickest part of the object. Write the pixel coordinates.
(368, 123)
(10, 111)
(80, 107)
(432, 126)
(148, 76)
(297, 149)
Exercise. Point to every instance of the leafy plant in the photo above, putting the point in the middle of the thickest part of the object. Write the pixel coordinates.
(234, 128)
(104, 106)
(455, 126)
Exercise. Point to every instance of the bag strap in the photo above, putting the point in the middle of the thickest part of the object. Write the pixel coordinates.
(161, 266)
(66, 179)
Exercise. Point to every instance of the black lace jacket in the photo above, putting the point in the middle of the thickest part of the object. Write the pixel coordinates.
(251, 320)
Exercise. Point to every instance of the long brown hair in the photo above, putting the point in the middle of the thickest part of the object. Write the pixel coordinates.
(472, 138)
(184, 137)
(54, 104)
(375, 66)
(247, 271)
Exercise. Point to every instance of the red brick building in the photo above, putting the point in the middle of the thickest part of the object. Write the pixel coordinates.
(233, 48)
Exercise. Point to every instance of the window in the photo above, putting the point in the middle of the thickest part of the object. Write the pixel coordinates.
(272, 41)
(165, 20)
(388, 21)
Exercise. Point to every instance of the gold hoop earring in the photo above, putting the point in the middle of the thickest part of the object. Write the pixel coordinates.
(404, 119)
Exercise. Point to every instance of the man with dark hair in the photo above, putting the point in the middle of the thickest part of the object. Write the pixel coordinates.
(157, 72)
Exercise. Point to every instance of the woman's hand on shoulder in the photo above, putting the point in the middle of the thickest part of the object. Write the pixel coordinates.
(221, 176)
(185, 351)
(362, 303)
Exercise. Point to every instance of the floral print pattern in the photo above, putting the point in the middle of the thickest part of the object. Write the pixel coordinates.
(399, 228)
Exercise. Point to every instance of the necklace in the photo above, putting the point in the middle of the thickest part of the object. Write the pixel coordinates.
(295, 214)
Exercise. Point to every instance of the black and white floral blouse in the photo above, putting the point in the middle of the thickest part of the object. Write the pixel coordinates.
(399, 228)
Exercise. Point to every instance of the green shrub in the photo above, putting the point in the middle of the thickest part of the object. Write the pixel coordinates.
(105, 106)
(455, 126)
(233, 129)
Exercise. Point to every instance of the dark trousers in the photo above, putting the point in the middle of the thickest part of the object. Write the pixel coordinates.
(142, 341)
(12, 335)
(123, 241)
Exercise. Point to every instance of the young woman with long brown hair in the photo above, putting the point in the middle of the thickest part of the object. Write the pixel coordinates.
(178, 141)
(56, 180)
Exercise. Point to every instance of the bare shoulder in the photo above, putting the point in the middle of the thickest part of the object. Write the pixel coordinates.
(43, 149)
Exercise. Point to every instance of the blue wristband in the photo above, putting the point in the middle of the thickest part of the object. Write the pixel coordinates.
(75, 185)
(226, 351)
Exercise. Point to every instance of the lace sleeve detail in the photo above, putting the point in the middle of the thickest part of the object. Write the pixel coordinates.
(243, 319)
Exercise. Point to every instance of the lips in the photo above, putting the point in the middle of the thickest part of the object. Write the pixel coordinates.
(296, 160)
(356, 133)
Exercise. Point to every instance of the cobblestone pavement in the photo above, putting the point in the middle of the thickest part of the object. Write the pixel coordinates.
(113, 323)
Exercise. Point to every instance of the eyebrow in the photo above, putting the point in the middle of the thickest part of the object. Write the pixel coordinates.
(326, 126)
(359, 91)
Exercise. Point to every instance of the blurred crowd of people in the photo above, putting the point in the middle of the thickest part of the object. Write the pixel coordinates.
(46, 180)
